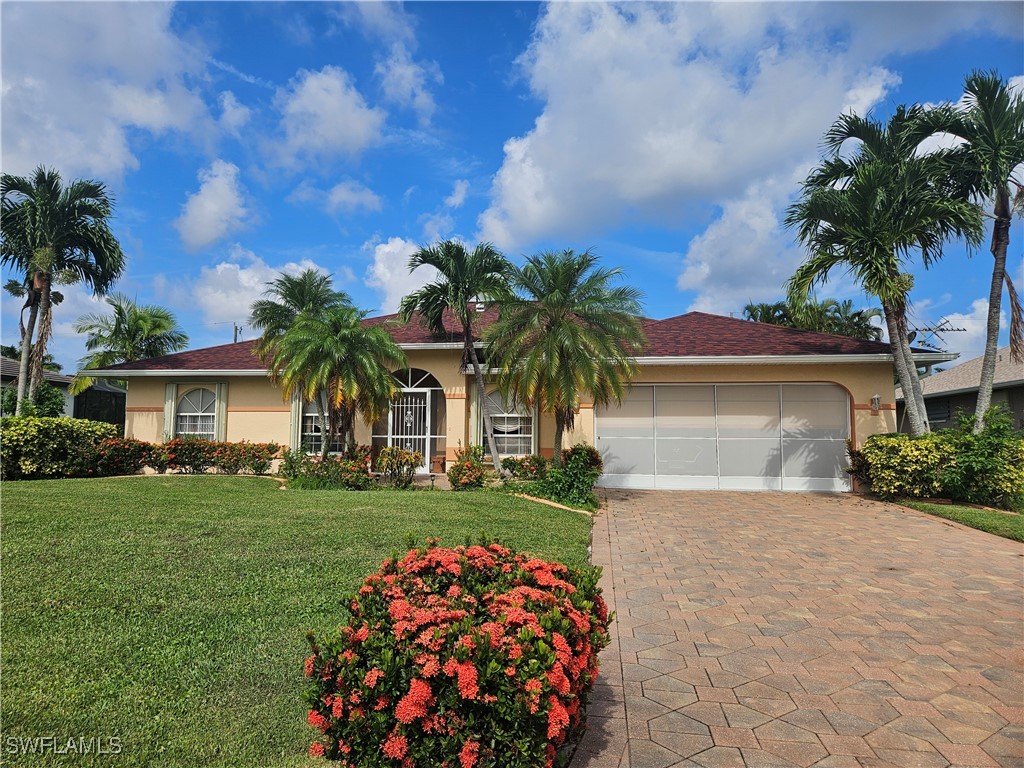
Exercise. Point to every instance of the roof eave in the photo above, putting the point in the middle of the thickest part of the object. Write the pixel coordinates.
(811, 359)
(132, 374)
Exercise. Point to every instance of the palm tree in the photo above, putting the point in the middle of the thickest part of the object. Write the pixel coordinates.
(991, 125)
(132, 332)
(286, 297)
(464, 277)
(22, 289)
(57, 234)
(565, 334)
(824, 316)
(330, 357)
(867, 214)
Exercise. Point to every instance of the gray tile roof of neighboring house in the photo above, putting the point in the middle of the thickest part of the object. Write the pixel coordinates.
(966, 376)
(9, 370)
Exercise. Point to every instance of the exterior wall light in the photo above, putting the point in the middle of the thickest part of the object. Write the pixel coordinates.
(876, 403)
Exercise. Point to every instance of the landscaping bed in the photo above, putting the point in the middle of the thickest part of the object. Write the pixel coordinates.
(170, 612)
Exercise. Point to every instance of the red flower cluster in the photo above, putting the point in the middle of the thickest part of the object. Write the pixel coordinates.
(449, 649)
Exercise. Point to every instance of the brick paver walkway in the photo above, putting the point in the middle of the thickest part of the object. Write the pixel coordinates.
(770, 629)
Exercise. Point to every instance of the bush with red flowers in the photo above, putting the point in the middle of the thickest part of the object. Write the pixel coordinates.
(123, 456)
(464, 657)
(467, 471)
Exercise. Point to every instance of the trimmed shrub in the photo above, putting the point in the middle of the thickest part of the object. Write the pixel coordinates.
(398, 465)
(49, 402)
(251, 458)
(122, 456)
(459, 657)
(531, 467)
(190, 455)
(987, 468)
(572, 483)
(585, 456)
(467, 471)
(42, 447)
(899, 465)
(318, 473)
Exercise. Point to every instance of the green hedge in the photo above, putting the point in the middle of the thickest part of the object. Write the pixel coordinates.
(987, 468)
(40, 447)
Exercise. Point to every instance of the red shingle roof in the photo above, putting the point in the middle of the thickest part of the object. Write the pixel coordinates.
(695, 334)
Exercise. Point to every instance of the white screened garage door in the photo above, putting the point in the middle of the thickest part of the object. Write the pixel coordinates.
(735, 436)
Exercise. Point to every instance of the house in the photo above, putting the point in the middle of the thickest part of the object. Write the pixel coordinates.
(955, 390)
(102, 401)
(718, 403)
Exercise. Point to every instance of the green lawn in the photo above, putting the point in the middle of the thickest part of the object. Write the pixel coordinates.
(171, 612)
(1009, 525)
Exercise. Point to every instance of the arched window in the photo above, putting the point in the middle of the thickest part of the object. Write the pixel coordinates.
(513, 426)
(196, 414)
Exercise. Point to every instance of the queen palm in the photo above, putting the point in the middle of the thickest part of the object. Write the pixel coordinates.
(463, 277)
(868, 214)
(57, 234)
(564, 335)
(131, 332)
(331, 358)
(991, 126)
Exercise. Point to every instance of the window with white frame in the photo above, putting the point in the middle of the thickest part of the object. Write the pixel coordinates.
(513, 426)
(312, 432)
(196, 414)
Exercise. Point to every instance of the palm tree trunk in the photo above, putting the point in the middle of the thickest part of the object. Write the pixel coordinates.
(559, 432)
(492, 446)
(43, 339)
(26, 351)
(902, 374)
(1000, 243)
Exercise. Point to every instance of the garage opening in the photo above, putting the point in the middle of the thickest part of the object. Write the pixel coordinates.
(729, 436)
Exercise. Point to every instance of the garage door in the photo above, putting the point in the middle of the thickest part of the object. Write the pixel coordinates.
(736, 436)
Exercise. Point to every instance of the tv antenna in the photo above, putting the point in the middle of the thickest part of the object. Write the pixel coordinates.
(933, 335)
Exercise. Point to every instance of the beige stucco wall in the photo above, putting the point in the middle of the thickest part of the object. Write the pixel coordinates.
(256, 412)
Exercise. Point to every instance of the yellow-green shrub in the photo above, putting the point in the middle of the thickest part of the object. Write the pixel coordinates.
(33, 447)
(900, 465)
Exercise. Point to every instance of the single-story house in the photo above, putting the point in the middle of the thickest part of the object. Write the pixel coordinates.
(718, 403)
(955, 390)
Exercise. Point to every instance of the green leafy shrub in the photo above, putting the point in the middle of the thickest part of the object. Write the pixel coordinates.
(531, 467)
(473, 656)
(988, 467)
(318, 473)
(572, 483)
(44, 447)
(250, 458)
(467, 470)
(49, 402)
(900, 465)
(398, 465)
(190, 455)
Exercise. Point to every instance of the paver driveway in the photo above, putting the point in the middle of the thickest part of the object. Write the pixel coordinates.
(770, 629)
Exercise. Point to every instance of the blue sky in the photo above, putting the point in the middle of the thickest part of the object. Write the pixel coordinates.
(242, 139)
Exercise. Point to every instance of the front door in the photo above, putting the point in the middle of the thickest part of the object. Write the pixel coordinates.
(409, 424)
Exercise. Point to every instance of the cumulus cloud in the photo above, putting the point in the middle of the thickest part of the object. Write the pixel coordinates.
(970, 342)
(407, 82)
(233, 115)
(458, 195)
(324, 116)
(225, 291)
(216, 210)
(78, 79)
(389, 273)
(346, 197)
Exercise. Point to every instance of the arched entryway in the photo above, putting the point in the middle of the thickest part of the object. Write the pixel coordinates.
(417, 419)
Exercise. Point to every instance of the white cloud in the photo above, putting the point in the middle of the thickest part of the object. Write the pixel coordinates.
(437, 226)
(458, 195)
(79, 78)
(234, 115)
(970, 342)
(387, 21)
(389, 273)
(216, 210)
(324, 116)
(406, 82)
(345, 197)
(225, 291)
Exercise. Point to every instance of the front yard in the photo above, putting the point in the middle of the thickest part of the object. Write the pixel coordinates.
(170, 612)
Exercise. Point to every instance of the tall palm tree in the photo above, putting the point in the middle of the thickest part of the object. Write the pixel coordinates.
(867, 214)
(991, 125)
(565, 334)
(286, 297)
(464, 277)
(331, 358)
(132, 332)
(61, 234)
(23, 289)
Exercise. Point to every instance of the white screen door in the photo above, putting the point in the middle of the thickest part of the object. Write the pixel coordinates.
(409, 425)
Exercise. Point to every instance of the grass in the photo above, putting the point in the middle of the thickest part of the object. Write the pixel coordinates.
(1009, 525)
(171, 612)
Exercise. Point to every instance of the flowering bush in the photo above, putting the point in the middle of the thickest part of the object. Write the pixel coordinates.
(191, 455)
(526, 468)
(122, 456)
(584, 456)
(398, 465)
(317, 473)
(459, 657)
(253, 458)
(467, 470)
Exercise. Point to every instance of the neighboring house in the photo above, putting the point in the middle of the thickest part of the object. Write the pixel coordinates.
(102, 401)
(955, 390)
(9, 368)
(717, 403)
